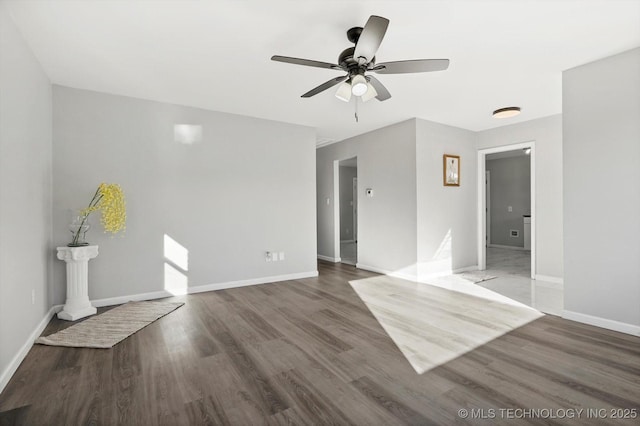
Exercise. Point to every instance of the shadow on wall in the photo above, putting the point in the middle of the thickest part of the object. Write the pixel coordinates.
(176, 266)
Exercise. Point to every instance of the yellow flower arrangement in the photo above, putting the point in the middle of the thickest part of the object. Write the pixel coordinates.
(110, 199)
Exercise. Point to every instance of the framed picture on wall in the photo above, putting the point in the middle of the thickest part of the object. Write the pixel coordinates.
(451, 170)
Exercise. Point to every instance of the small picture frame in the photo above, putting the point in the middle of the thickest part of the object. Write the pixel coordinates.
(451, 170)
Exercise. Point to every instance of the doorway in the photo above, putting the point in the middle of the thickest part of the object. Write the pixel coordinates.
(348, 210)
(506, 215)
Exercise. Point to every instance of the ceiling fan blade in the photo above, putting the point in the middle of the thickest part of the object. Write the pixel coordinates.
(416, 65)
(370, 38)
(306, 62)
(324, 86)
(383, 93)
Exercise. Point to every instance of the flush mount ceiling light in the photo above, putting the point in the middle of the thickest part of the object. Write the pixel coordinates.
(506, 112)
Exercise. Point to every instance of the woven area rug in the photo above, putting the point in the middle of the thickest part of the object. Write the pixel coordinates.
(105, 330)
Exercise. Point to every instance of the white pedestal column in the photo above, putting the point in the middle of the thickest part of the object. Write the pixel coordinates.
(77, 305)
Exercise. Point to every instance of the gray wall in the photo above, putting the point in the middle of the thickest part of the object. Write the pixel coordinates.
(601, 104)
(547, 134)
(25, 192)
(413, 226)
(387, 221)
(346, 199)
(248, 187)
(510, 186)
(446, 215)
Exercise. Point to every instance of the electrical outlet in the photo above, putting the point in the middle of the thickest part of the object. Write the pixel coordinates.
(510, 209)
(281, 255)
(267, 256)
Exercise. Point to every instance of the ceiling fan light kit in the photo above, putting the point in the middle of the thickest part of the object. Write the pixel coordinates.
(369, 94)
(359, 60)
(506, 112)
(359, 85)
(344, 91)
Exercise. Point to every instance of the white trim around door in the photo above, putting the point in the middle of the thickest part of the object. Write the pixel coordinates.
(482, 201)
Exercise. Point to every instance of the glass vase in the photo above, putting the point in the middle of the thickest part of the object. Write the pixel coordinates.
(78, 226)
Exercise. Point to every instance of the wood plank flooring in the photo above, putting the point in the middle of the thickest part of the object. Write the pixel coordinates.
(310, 352)
(432, 325)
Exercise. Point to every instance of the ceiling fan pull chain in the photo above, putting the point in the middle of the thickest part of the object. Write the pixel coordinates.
(356, 114)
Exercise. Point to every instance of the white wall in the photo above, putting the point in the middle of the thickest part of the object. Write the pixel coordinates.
(547, 134)
(387, 221)
(413, 226)
(248, 187)
(446, 215)
(510, 187)
(601, 104)
(25, 194)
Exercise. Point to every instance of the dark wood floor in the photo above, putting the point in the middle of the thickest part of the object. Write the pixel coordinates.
(309, 352)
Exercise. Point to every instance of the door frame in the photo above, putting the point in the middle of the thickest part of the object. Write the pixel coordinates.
(354, 208)
(336, 205)
(487, 184)
(336, 210)
(482, 201)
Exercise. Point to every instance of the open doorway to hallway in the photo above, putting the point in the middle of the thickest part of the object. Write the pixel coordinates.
(508, 212)
(348, 217)
(506, 209)
(507, 227)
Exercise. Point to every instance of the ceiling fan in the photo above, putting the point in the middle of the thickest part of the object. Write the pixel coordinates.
(359, 61)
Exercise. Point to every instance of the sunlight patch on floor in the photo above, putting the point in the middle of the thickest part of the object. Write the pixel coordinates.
(436, 322)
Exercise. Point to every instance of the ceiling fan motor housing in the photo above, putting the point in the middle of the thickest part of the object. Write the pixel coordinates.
(351, 65)
(353, 34)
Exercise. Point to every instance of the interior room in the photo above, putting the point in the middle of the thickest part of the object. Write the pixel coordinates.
(392, 212)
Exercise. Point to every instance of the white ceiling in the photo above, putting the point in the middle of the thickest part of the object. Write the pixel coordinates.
(216, 54)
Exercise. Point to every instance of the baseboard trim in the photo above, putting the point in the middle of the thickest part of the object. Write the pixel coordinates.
(347, 241)
(118, 300)
(550, 279)
(622, 327)
(386, 272)
(507, 247)
(253, 281)
(24, 350)
(423, 278)
(329, 259)
(465, 269)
